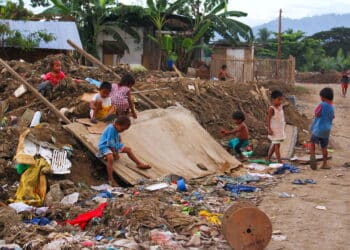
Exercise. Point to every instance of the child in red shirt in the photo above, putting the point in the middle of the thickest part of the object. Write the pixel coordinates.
(52, 78)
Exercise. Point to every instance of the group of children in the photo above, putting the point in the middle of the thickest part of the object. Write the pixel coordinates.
(320, 128)
(113, 101)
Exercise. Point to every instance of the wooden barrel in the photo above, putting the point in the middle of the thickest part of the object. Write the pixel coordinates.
(246, 227)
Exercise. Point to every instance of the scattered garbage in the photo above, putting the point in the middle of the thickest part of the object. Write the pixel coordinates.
(321, 207)
(20, 91)
(36, 119)
(157, 186)
(181, 185)
(286, 195)
(287, 167)
(237, 189)
(279, 237)
(303, 182)
(70, 199)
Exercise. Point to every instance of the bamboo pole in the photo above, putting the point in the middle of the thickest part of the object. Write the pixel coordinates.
(96, 61)
(36, 93)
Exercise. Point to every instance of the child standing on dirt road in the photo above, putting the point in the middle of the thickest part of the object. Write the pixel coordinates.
(344, 82)
(121, 96)
(101, 105)
(52, 79)
(321, 127)
(110, 146)
(242, 133)
(276, 125)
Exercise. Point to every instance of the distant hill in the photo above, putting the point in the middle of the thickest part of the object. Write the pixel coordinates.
(309, 25)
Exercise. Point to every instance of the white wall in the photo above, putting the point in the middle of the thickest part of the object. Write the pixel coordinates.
(235, 53)
(135, 49)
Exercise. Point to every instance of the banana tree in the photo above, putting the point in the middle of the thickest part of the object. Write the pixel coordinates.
(158, 10)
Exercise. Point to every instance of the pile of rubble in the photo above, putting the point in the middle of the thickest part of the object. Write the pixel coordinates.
(132, 217)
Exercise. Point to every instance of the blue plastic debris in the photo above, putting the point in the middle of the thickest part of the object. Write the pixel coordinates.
(239, 188)
(41, 221)
(287, 167)
(105, 194)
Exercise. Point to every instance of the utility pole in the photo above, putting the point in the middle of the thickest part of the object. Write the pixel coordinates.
(279, 45)
(279, 35)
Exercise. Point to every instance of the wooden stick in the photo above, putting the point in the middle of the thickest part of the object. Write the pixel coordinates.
(36, 93)
(96, 61)
(177, 71)
(148, 90)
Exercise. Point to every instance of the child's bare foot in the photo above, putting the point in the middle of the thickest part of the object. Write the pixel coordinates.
(325, 166)
(113, 183)
(143, 166)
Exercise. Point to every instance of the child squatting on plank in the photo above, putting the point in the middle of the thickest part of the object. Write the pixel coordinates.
(101, 107)
(241, 132)
(110, 146)
(321, 127)
(276, 125)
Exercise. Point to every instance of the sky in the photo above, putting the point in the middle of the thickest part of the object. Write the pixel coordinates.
(262, 11)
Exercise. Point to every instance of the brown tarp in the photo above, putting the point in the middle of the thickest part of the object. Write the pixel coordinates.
(170, 140)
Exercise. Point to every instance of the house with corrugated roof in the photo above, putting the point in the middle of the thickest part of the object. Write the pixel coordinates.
(61, 31)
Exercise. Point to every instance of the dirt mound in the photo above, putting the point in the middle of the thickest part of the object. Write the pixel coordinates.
(318, 77)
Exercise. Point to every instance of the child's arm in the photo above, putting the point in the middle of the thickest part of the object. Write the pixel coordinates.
(269, 116)
(131, 104)
(233, 131)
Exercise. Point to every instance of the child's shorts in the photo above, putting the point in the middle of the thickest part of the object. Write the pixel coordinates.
(106, 150)
(321, 141)
(235, 141)
(344, 85)
(276, 141)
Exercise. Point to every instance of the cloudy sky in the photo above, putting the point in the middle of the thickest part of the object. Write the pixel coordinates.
(261, 11)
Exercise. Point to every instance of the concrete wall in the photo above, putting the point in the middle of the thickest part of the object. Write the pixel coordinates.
(135, 49)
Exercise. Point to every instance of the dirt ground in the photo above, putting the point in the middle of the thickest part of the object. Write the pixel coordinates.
(297, 218)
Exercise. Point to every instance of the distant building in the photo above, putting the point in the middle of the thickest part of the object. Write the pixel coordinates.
(238, 59)
(62, 31)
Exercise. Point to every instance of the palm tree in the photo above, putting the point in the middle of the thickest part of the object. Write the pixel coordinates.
(264, 35)
(93, 17)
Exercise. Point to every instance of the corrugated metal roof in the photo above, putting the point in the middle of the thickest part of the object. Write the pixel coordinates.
(61, 30)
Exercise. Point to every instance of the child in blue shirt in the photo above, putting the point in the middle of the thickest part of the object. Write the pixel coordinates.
(321, 127)
(110, 146)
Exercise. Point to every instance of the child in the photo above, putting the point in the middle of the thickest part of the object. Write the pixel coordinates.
(52, 78)
(223, 74)
(110, 146)
(101, 105)
(321, 127)
(121, 96)
(344, 82)
(276, 125)
(242, 133)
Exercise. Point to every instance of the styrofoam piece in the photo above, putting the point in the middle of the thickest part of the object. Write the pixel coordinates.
(30, 148)
(20, 91)
(36, 119)
(60, 163)
(70, 199)
(157, 186)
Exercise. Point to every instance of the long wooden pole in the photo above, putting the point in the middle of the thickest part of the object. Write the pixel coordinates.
(36, 93)
(97, 62)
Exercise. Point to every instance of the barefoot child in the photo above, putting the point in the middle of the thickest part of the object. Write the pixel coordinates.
(110, 146)
(121, 96)
(101, 105)
(51, 79)
(241, 132)
(276, 125)
(223, 73)
(321, 127)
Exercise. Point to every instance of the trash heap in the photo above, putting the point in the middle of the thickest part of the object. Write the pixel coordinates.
(74, 210)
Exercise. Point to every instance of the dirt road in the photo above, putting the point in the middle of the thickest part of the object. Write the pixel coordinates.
(297, 218)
